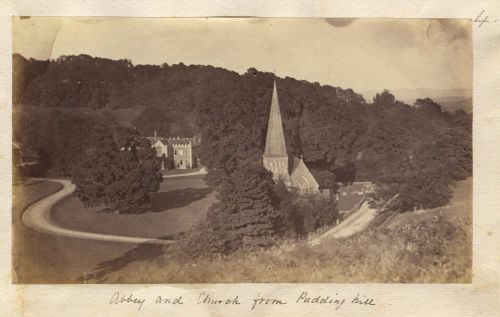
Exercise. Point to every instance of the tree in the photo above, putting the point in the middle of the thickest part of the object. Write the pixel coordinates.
(305, 213)
(384, 99)
(59, 136)
(316, 211)
(454, 146)
(418, 180)
(428, 105)
(245, 215)
(118, 170)
(325, 178)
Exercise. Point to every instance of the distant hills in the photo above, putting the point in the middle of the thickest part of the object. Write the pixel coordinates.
(449, 99)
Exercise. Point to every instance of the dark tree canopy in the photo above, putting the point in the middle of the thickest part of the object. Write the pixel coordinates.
(304, 213)
(58, 136)
(152, 120)
(427, 105)
(337, 132)
(118, 170)
(423, 178)
(419, 182)
(245, 216)
(384, 99)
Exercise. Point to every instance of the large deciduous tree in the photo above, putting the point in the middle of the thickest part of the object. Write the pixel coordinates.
(419, 180)
(118, 170)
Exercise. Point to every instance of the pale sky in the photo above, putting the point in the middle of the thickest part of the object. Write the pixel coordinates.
(362, 54)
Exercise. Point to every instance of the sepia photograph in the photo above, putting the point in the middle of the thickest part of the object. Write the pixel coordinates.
(241, 150)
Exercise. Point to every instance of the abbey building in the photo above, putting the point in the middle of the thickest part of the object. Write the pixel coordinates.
(293, 171)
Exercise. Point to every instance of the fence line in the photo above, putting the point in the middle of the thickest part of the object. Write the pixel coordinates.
(313, 234)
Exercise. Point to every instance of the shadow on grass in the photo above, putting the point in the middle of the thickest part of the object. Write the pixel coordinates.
(140, 253)
(177, 198)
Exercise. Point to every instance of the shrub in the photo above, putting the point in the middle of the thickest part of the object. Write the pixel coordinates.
(305, 213)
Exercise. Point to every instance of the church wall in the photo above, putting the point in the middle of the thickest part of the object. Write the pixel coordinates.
(302, 178)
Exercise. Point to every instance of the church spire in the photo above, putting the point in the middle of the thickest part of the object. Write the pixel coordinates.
(275, 140)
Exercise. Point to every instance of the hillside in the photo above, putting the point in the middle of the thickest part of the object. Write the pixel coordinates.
(334, 129)
(430, 247)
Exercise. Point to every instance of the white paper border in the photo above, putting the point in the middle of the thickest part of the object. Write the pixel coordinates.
(481, 298)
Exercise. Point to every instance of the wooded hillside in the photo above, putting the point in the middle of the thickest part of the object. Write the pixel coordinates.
(335, 129)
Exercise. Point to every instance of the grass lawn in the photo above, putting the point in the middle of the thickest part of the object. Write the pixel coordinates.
(180, 203)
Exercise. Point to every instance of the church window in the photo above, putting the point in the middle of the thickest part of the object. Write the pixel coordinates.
(302, 184)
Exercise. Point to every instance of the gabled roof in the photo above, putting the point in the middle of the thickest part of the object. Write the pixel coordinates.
(275, 140)
(299, 168)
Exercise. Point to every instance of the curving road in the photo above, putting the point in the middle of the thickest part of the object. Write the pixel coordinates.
(37, 217)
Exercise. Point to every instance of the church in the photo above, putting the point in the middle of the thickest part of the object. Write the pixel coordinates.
(292, 170)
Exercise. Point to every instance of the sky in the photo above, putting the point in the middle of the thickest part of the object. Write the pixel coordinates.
(362, 54)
